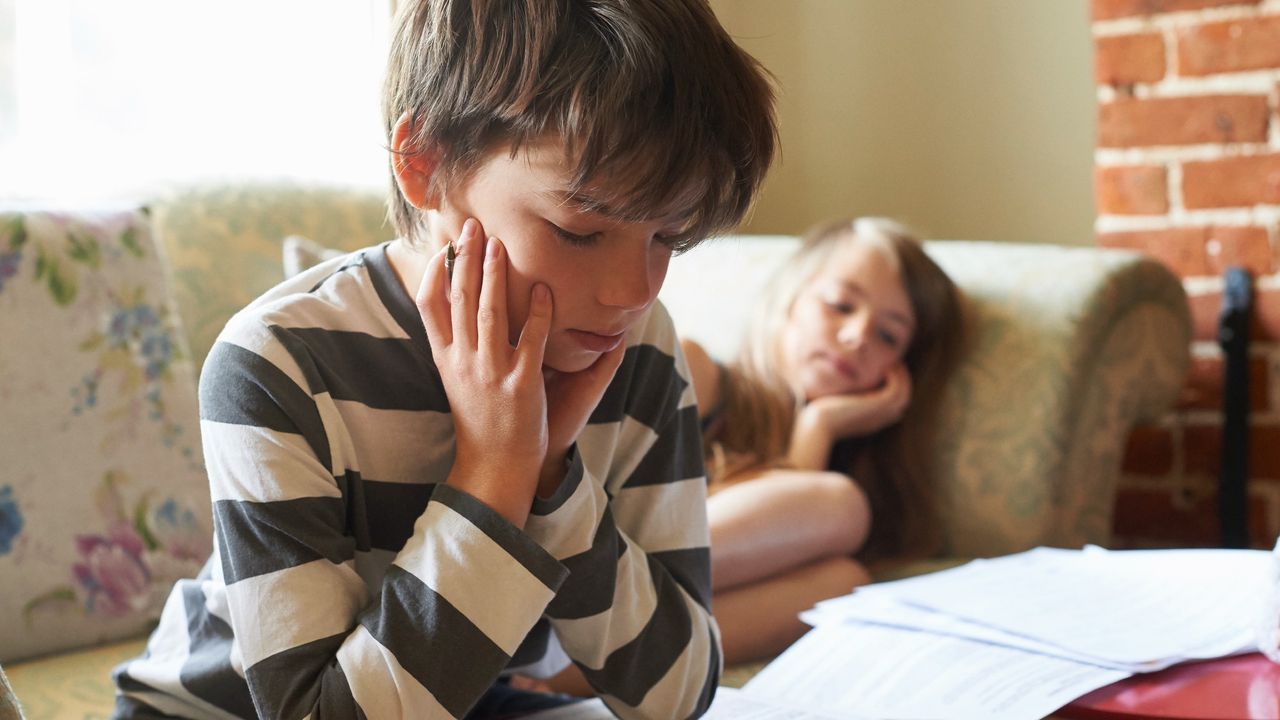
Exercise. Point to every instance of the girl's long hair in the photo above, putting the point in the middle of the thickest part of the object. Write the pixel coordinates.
(893, 466)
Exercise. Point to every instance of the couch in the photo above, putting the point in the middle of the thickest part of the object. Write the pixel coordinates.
(107, 313)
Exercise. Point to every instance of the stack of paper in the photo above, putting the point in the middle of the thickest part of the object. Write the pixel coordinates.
(1019, 636)
(1013, 638)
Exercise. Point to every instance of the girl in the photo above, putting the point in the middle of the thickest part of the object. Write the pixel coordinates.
(820, 425)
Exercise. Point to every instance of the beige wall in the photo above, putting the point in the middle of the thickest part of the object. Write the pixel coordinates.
(966, 118)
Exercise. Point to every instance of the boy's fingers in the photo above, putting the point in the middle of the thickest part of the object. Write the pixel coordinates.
(607, 365)
(432, 301)
(533, 338)
(464, 286)
(491, 320)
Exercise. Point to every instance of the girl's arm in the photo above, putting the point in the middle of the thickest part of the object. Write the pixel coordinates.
(811, 441)
(704, 373)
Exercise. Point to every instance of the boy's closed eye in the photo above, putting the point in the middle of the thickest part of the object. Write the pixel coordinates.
(673, 239)
(572, 238)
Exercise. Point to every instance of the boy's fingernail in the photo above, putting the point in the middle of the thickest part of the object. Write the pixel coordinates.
(468, 228)
(491, 248)
(541, 294)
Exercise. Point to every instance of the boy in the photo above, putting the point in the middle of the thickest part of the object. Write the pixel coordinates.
(473, 451)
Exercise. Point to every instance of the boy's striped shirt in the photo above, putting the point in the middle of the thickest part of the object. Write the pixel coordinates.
(348, 580)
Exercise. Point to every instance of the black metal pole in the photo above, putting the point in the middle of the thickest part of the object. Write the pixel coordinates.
(1233, 336)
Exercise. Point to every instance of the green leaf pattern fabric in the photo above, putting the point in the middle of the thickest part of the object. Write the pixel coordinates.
(104, 502)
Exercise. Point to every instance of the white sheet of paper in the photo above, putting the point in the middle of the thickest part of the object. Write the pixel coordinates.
(729, 704)
(883, 672)
(733, 704)
(884, 609)
(1151, 607)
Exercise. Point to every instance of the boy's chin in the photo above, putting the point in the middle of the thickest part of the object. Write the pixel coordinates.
(568, 362)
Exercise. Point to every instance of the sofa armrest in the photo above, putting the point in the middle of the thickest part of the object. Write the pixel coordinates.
(1070, 348)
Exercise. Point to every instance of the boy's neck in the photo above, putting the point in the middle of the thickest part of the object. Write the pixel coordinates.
(409, 262)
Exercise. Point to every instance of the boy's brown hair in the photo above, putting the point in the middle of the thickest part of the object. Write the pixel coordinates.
(660, 112)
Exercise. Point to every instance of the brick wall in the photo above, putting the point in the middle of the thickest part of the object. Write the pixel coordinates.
(1188, 170)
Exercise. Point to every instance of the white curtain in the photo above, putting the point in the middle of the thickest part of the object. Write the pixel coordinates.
(108, 98)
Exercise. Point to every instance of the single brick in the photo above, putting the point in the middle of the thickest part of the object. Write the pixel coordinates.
(1182, 250)
(1232, 46)
(1232, 182)
(1127, 59)
(1189, 120)
(1136, 190)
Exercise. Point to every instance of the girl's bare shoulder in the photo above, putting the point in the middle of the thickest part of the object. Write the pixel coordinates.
(704, 373)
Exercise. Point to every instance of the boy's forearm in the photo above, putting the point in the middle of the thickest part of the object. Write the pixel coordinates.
(332, 647)
(655, 652)
(634, 609)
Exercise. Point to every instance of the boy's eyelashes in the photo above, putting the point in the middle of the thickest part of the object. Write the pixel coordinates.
(674, 241)
(573, 238)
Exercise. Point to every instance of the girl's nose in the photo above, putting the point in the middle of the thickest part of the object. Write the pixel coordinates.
(853, 332)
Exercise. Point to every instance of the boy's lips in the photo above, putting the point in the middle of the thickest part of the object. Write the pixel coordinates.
(597, 342)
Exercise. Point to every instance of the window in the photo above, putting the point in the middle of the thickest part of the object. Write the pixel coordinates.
(102, 99)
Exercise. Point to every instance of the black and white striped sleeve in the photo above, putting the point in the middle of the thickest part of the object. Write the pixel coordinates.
(312, 639)
(630, 524)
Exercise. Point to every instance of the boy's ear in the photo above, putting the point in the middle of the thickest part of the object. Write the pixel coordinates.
(413, 166)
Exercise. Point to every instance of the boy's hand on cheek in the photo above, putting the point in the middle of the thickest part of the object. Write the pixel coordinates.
(855, 414)
(495, 391)
(571, 397)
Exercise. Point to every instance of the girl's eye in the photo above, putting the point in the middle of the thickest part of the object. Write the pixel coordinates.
(840, 306)
(573, 238)
(888, 338)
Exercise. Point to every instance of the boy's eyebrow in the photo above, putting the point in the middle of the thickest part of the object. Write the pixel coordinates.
(583, 203)
(587, 204)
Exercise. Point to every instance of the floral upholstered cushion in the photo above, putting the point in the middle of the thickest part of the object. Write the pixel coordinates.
(103, 499)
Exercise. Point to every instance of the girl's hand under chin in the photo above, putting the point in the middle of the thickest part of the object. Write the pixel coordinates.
(856, 414)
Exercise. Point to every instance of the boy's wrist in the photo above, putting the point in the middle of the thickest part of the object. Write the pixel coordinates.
(554, 469)
(506, 488)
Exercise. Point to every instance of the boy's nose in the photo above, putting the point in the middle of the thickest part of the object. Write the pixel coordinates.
(627, 283)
